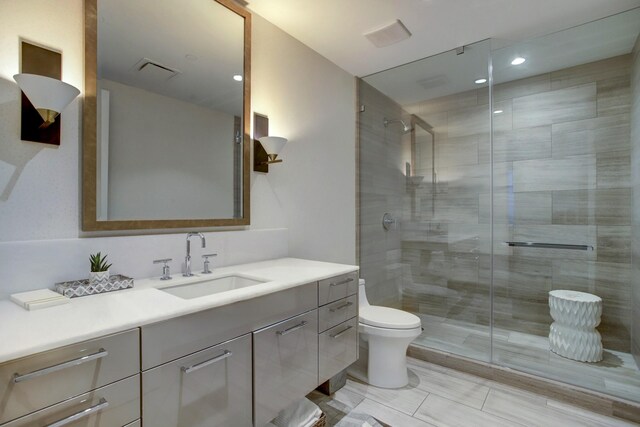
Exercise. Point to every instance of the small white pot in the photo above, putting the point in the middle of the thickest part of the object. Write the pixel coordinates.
(98, 277)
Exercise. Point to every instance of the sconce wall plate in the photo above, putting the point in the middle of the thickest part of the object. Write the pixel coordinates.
(260, 129)
(44, 62)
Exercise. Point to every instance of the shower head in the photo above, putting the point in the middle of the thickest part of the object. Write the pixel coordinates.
(405, 127)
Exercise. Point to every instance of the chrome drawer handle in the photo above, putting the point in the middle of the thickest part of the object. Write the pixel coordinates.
(340, 307)
(293, 328)
(189, 369)
(344, 282)
(341, 332)
(102, 404)
(44, 371)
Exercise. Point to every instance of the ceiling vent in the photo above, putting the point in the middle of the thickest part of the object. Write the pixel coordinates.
(433, 82)
(155, 71)
(389, 34)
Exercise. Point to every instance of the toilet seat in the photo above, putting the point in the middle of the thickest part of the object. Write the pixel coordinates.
(388, 318)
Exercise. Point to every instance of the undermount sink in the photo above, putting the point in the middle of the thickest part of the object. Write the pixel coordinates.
(211, 286)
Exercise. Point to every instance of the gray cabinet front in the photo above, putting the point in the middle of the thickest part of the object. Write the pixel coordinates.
(285, 358)
(338, 349)
(35, 382)
(117, 404)
(206, 389)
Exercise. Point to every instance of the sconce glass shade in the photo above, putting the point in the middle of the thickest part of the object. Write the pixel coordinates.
(49, 96)
(272, 144)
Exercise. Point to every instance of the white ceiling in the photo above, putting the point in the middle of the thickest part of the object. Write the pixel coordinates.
(449, 73)
(334, 28)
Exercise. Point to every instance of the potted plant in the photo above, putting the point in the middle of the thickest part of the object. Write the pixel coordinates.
(99, 269)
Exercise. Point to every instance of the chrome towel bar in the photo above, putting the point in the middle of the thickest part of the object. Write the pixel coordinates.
(550, 246)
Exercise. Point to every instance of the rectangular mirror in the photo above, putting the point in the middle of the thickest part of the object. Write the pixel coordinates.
(166, 114)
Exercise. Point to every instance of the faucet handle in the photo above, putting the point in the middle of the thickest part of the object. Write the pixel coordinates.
(166, 270)
(206, 263)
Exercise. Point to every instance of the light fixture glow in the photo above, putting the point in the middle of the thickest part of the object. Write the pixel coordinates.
(237, 78)
(480, 81)
(498, 112)
(518, 60)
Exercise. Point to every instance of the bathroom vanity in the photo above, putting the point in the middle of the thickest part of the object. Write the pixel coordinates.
(149, 357)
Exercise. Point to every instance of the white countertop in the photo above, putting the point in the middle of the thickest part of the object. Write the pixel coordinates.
(25, 332)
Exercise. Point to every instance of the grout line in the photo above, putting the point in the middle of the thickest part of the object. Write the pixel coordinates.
(485, 399)
(421, 403)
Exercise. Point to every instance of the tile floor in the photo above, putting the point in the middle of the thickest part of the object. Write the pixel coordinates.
(617, 374)
(438, 396)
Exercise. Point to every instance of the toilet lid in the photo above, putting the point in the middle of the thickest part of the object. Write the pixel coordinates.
(386, 317)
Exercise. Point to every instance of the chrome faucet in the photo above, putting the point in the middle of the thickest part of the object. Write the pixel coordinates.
(187, 259)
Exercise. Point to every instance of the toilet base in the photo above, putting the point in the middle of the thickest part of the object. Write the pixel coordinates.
(387, 355)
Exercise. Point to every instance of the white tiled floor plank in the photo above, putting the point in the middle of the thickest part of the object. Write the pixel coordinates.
(406, 399)
(447, 413)
(451, 387)
(531, 412)
(389, 416)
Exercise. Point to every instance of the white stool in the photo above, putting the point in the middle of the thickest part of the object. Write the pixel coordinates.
(573, 334)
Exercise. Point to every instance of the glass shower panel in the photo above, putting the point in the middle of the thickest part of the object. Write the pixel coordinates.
(561, 165)
(432, 173)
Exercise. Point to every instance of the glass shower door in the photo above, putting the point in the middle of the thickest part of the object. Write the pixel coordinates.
(561, 197)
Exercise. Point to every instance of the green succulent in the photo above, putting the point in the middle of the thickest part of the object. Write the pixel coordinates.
(98, 263)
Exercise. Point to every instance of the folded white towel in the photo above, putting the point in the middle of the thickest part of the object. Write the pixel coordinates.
(303, 413)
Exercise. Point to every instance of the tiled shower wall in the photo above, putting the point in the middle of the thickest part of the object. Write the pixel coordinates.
(561, 175)
(382, 184)
(635, 162)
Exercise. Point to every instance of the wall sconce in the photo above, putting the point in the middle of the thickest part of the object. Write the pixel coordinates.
(265, 148)
(43, 96)
(272, 146)
(48, 96)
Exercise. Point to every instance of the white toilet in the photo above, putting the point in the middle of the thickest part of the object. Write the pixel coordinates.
(388, 332)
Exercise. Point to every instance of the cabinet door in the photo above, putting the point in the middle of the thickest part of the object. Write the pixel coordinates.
(338, 349)
(206, 389)
(285, 364)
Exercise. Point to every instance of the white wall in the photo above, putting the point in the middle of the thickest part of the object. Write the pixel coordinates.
(312, 193)
(168, 159)
(312, 103)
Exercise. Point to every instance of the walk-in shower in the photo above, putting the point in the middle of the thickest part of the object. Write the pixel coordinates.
(510, 180)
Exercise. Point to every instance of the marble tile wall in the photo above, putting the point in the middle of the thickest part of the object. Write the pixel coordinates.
(562, 174)
(635, 210)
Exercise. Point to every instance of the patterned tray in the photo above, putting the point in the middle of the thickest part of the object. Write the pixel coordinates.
(81, 288)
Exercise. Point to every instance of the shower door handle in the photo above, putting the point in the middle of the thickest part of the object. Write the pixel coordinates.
(550, 246)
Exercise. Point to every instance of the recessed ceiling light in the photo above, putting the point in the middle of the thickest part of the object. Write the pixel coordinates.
(498, 112)
(480, 81)
(237, 78)
(518, 60)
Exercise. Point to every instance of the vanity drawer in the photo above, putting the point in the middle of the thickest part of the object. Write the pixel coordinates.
(34, 382)
(338, 349)
(337, 312)
(117, 404)
(175, 338)
(285, 365)
(209, 388)
(337, 287)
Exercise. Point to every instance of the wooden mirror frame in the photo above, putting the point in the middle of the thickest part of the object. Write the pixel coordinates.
(89, 136)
